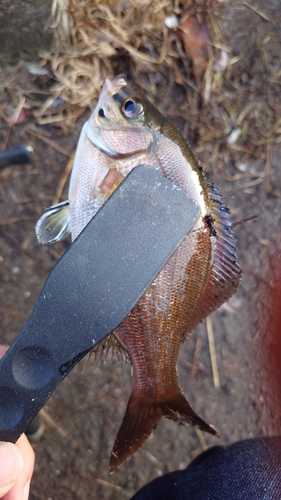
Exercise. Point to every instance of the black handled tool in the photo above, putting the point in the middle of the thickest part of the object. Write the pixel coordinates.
(91, 290)
(21, 155)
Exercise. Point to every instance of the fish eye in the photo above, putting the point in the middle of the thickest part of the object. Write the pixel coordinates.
(131, 107)
(101, 113)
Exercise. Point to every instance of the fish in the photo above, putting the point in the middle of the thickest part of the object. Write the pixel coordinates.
(126, 130)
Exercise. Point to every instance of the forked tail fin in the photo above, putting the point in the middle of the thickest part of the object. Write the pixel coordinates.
(141, 418)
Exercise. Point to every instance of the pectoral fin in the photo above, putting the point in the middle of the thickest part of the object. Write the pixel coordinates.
(54, 225)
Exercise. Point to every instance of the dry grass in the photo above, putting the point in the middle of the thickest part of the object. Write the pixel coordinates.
(90, 36)
(222, 102)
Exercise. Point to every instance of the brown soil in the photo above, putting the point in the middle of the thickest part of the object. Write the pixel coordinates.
(83, 415)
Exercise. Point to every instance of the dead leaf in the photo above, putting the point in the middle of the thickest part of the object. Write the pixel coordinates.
(196, 42)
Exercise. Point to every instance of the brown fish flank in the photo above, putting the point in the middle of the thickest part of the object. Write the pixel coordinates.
(126, 130)
(194, 282)
(152, 341)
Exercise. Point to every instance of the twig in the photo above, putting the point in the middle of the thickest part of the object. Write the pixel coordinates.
(259, 12)
(244, 185)
(134, 52)
(48, 141)
(202, 439)
(18, 109)
(102, 482)
(13, 220)
(201, 368)
(194, 367)
(51, 423)
(244, 150)
(46, 105)
(212, 349)
(22, 249)
(14, 119)
(208, 81)
(239, 222)
(63, 179)
(267, 170)
(152, 458)
(35, 199)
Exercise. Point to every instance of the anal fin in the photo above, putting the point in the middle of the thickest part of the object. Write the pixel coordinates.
(110, 348)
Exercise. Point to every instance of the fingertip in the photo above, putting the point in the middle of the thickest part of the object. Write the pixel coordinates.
(3, 350)
(27, 452)
(12, 464)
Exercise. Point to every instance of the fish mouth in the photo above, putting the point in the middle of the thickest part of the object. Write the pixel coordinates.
(112, 86)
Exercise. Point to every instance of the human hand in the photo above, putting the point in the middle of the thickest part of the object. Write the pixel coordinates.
(16, 465)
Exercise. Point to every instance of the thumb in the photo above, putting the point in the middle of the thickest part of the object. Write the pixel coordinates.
(11, 465)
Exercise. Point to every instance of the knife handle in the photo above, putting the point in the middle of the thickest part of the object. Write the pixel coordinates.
(20, 155)
(91, 290)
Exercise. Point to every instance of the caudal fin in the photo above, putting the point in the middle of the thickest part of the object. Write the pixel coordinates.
(141, 418)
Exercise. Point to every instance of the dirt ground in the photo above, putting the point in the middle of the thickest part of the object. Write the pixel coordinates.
(83, 415)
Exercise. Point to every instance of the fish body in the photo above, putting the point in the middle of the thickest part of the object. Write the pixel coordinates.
(126, 130)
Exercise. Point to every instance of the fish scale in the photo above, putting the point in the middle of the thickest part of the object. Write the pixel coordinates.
(83, 205)
(126, 130)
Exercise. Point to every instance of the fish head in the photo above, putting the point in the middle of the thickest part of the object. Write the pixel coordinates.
(119, 124)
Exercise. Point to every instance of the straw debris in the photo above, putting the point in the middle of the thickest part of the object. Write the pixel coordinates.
(221, 97)
(94, 39)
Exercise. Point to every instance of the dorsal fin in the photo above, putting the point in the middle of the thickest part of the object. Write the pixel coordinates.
(225, 273)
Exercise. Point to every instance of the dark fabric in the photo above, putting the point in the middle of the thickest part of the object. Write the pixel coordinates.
(246, 470)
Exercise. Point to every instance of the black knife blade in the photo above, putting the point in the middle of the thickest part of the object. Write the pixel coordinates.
(91, 290)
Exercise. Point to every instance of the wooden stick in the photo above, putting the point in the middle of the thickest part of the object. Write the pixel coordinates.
(104, 483)
(202, 439)
(13, 220)
(195, 367)
(63, 178)
(212, 349)
(50, 142)
(51, 423)
(259, 12)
